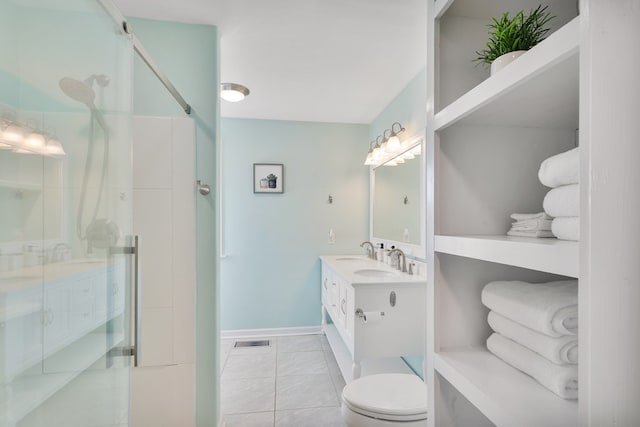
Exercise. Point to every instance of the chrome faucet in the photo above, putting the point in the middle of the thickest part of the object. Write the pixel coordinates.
(59, 252)
(371, 253)
(404, 259)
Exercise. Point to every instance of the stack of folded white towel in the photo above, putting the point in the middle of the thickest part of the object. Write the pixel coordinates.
(535, 330)
(562, 174)
(531, 225)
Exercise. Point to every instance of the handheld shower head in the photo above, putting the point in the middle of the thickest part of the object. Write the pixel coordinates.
(100, 79)
(79, 91)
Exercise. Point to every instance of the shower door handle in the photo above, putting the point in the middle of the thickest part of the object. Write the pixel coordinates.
(136, 304)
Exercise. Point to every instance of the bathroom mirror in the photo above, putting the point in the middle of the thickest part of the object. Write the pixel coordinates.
(396, 204)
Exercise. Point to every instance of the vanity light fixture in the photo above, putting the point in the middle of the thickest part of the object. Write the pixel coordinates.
(233, 92)
(390, 148)
(409, 149)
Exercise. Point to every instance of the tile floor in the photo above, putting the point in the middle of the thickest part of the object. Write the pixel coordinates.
(295, 382)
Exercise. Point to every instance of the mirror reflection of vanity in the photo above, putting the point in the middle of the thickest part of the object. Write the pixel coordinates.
(397, 202)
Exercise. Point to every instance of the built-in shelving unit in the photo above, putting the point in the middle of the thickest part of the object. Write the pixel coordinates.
(487, 136)
(502, 393)
(550, 255)
(17, 185)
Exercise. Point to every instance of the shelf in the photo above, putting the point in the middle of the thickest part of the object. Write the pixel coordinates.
(503, 394)
(30, 390)
(539, 89)
(16, 185)
(549, 255)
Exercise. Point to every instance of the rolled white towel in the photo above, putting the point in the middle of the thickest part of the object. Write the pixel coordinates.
(550, 308)
(566, 227)
(526, 216)
(532, 224)
(560, 379)
(561, 169)
(530, 233)
(561, 350)
(563, 201)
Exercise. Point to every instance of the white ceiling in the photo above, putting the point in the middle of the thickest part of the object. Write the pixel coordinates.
(308, 60)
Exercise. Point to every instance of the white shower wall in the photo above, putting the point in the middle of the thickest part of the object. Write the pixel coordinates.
(163, 387)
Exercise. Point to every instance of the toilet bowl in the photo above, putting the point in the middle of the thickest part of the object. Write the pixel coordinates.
(385, 400)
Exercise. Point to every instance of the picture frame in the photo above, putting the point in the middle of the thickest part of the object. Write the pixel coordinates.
(268, 178)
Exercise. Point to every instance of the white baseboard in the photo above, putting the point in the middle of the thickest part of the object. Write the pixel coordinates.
(272, 332)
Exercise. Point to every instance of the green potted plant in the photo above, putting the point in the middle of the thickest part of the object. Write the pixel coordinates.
(510, 37)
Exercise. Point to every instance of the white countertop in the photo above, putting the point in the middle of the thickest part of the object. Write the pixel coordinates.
(348, 265)
(23, 278)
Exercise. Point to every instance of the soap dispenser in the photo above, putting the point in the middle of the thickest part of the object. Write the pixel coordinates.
(380, 252)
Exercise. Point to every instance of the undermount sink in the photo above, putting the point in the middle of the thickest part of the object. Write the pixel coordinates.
(348, 258)
(374, 273)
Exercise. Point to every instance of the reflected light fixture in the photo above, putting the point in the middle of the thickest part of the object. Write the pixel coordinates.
(233, 92)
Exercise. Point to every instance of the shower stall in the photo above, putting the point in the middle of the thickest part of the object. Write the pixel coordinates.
(67, 258)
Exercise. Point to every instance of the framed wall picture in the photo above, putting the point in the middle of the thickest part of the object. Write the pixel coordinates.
(268, 178)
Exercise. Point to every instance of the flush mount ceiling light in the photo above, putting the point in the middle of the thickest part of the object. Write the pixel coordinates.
(233, 92)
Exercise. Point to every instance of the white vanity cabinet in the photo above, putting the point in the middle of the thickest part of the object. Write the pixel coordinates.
(353, 287)
(54, 324)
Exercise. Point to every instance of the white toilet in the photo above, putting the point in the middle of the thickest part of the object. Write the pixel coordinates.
(385, 400)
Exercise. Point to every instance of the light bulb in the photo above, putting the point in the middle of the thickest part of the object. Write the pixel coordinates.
(13, 133)
(369, 160)
(54, 147)
(394, 143)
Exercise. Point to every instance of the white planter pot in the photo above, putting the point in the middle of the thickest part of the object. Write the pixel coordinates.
(502, 61)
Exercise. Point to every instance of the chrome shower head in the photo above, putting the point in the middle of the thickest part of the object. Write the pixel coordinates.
(79, 91)
(100, 79)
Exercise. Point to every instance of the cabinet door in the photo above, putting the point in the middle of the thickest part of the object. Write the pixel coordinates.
(326, 277)
(342, 305)
(334, 297)
(20, 332)
(83, 303)
(58, 324)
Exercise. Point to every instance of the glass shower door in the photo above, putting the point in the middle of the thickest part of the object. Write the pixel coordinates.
(67, 257)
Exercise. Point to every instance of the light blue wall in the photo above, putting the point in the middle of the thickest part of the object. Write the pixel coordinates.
(188, 55)
(271, 275)
(408, 108)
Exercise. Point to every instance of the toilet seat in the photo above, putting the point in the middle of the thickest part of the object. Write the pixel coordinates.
(391, 397)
